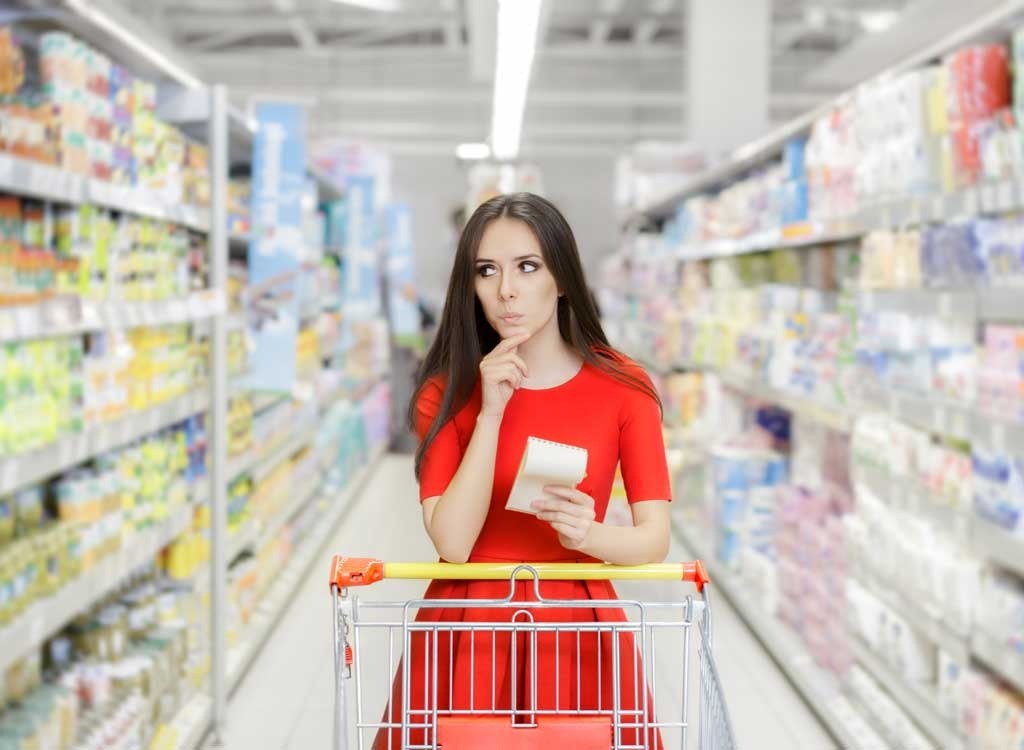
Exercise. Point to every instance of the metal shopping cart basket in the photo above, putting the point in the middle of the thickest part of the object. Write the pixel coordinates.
(427, 708)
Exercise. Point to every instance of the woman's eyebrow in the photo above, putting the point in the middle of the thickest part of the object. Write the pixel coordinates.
(520, 257)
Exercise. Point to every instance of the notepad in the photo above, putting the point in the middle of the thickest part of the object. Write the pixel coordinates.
(545, 462)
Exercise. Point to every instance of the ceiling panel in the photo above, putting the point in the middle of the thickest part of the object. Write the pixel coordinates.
(607, 71)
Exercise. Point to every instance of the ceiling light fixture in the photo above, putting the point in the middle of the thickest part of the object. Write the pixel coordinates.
(137, 43)
(384, 6)
(877, 21)
(472, 151)
(517, 43)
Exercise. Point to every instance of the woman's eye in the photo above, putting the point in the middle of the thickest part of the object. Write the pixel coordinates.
(528, 266)
(485, 271)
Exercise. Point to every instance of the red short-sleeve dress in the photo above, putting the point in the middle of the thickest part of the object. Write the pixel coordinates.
(619, 425)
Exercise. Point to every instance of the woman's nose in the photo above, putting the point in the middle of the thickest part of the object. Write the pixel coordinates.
(505, 290)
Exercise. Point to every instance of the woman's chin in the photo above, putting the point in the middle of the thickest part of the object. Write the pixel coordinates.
(508, 330)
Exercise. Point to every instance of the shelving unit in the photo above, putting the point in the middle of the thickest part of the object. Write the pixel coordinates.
(928, 411)
(205, 115)
(818, 688)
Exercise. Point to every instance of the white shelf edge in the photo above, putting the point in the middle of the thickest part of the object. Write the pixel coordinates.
(47, 616)
(780, 644)
(953, 643)
(68, 316)
(1001, 303)
(33, 466)
(1000, 659)
(913, 699)
(26, 177)
(265, 466)
(998, 545)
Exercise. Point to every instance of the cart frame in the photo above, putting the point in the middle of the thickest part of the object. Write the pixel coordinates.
(623, 727)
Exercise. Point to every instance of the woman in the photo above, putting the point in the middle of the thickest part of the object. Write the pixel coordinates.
(519, 353)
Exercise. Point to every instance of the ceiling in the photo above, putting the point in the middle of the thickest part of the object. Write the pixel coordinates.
(418, 79)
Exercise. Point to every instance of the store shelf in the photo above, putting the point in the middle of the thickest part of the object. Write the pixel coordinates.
(911, 496)
(260, 462)
(236, 321)
(266, 466)
(46, 617)
(255, 532)
(931, 627)
(833, 417)
(940, 417)
(815, 686)
(932, 415)
(1005, 304)
(999, 657)
(917, 701)
(794, 236)
(190, 726)
(931, 303)
(67, 316)
(25, 177)
(33, 466)
(999, 546)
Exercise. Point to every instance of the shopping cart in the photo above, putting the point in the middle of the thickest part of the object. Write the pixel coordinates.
(428, 715)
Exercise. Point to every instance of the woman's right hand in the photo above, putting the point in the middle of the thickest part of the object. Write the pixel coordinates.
(501, 373)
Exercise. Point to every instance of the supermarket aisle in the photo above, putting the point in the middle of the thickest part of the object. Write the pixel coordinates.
(285, 702)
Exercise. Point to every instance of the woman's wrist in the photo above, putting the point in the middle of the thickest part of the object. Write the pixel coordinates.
(487, 417)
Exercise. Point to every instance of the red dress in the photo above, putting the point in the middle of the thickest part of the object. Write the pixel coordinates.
(618, 425)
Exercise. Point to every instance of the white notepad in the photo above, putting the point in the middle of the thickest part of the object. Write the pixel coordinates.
(545, 462)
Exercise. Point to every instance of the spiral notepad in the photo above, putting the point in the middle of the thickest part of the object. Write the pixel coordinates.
(545, 462)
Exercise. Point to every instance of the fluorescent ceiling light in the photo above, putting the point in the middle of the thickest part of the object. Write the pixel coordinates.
(876, 21)
(472, 151)
(517, 43)
(140, 45)
(386, 6)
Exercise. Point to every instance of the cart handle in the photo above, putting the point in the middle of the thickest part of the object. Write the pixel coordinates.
(362, 571)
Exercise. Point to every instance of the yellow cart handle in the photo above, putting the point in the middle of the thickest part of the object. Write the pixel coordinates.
(362, 571)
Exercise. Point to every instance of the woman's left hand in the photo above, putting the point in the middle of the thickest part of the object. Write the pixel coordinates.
(571, 515)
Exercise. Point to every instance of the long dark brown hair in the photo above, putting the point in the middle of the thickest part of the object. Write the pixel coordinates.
(464, 335)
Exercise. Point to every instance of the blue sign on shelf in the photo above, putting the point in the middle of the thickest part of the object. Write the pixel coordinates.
(276, 247)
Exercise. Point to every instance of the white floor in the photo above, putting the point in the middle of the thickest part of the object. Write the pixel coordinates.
(286, 700)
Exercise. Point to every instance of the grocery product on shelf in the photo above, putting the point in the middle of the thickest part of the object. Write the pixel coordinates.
(87, 115)
(239, 199)
(57, 531)
(86, 252)
(115, 674)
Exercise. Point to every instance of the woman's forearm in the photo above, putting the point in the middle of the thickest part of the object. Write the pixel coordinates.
(461, 511)
(629, 545)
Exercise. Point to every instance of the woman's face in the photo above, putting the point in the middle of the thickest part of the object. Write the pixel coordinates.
(515, 288)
